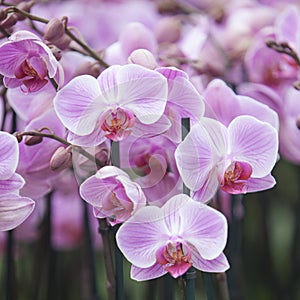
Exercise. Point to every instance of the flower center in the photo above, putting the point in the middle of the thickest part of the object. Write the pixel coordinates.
(118, 124)
(235, 177)
(175, 257)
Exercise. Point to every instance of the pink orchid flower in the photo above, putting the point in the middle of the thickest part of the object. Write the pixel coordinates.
(27, 62)
(184, 101)
(224, 105)
(121, 99)
(238, 159)
(152, 165)
(181, 234)
(14, 209)
(112, 194)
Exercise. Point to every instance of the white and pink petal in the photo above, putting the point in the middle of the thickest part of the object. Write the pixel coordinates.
(254, 142)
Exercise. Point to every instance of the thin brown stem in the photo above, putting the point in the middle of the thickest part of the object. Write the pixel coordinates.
(92, 53)
(283, 48)
(52, 136)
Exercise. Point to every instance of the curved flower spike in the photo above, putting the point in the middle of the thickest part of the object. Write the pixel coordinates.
(180, 234)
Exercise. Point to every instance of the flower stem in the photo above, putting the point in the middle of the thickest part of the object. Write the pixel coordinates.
(115, 161)
(10, 284)
(234, 277)
(108, 259)
(91, 254)
(83, 45)
(190, 277)
(79, 149)
(221, 286)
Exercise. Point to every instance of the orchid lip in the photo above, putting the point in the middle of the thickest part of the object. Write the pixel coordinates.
(175, 257)
(235, 177)
(118, 124)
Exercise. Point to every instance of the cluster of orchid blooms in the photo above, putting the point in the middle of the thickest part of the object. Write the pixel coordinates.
(70, 110)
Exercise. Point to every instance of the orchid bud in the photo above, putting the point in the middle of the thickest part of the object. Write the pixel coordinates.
(3, 15)
(168, 30)
(33, 140)
(61, 159)
(54, 29)
(63, 42)
(136, 36)
(143, 58)
(9, 21)
(26, 6)
(89, 68)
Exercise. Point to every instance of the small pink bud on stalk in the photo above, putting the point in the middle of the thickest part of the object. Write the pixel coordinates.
(168, 30)
(33, 140)
(55, 33)
(3, 15)
(9, 21)
(61, 159)
(143, 58)
(26, 6)
(89, 68)
(54, 29)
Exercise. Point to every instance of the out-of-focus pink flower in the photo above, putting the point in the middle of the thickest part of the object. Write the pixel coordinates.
(112, 194)
(238, 159)
(27, 62)
(151, 163)
(224, 105)
(133, 36)
(14, 209)
(181, 234)
(266, 66)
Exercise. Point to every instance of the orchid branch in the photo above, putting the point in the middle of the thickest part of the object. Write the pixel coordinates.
(51, 135)
(283, 48)
(92, 53)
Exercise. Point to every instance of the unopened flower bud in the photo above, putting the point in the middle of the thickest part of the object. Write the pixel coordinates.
(168, 30)
(103, 155)
(54, 29)
(89, 68)
(143, 58)
(9, 21)
(298, 122)
(3, 15)
(33, 140)
(63, 42)
(26, 6)
(18, 136)
(61, 159)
